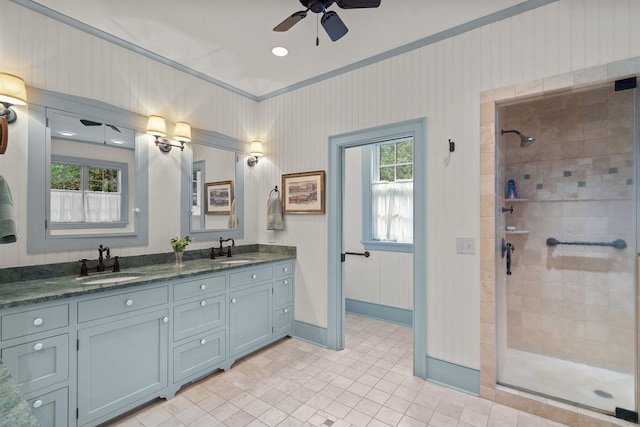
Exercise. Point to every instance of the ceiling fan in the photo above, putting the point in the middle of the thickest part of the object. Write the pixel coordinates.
(330, 20)
(92, 123)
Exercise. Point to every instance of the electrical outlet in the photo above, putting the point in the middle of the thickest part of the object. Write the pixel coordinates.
(465, 245)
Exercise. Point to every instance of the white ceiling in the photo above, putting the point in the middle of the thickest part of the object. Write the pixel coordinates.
(230, 41)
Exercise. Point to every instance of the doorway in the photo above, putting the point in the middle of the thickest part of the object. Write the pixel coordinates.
(336, 194)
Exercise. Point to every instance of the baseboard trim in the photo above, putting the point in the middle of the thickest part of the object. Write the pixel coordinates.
(454, 376)
(387, 313)
(310, 333)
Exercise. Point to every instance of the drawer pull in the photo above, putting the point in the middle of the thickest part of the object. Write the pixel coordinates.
(203, 303)
(254, 276)
(233, 300)
(285, 269)
(38, 321)
(38, 346)
(286, 310)
(286, 282)
(203, 287)
(37, 403)
(165, 319)
(129, 303)
(203, 341)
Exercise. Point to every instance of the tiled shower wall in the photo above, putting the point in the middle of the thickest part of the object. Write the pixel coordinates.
(572, 302)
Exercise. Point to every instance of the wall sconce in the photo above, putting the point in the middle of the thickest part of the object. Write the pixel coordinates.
(255, 151)
(157, 127)
(12, 92)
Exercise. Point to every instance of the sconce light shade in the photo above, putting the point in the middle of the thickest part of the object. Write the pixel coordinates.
(182, 132)
(12, 90)
(255, 150)
(156, 126)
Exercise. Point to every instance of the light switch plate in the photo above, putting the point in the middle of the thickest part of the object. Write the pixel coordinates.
(465, 245)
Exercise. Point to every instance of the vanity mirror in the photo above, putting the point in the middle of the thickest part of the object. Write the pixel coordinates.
(212, 178)
(88, 178)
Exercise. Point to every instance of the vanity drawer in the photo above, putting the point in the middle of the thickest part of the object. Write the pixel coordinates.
(283, 292)
(34, 321)
(284, 321)
(206, 352)
(284, 269)
(199, 316)
(51, 409)
(39, 363)
(246, 277)
(121, 303)
(204, 286)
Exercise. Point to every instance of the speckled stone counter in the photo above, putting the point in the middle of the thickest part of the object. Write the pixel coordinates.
(14, 411)
(47, 289)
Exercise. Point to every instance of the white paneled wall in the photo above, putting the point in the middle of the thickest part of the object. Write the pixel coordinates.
(52, 56)
(443, 82)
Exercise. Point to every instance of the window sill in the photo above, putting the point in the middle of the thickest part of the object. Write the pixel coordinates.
(376, 245)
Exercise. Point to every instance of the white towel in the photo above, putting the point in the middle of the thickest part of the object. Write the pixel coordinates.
(274, 214)
(233, 215)
(8, 232)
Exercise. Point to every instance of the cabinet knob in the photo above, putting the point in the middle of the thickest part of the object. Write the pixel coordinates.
(129, 303)
(233, 300)
(285, 269)
(38, 346)
(203, 341)
(203, 303)
(254, 276)
(203, 287)
(37, 403)
(165, 319)
(38, 321)
(286, 282)
(286, 310)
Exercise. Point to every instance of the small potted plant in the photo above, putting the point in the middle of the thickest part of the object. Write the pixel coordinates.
(179, 244)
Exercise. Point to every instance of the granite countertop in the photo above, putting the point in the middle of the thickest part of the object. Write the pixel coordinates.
(14, 410)
(47, 289)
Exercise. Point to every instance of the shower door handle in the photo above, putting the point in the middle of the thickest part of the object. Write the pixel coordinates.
(507, 248)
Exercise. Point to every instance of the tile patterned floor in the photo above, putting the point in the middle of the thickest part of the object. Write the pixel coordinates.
(293, 383)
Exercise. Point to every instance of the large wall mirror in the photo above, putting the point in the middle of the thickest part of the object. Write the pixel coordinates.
(88, 177)
(212, 193)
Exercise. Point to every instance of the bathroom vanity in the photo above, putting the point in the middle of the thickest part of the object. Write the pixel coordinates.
(84, 350)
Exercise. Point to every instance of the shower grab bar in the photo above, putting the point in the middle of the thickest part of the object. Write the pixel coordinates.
(365, 254)
(618, 244)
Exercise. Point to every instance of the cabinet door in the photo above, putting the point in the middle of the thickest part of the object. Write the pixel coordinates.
(284, 321)
(250, 318)
(51, 409)
(121, 362)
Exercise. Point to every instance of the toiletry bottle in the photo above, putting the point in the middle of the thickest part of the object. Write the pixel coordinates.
(511, 189)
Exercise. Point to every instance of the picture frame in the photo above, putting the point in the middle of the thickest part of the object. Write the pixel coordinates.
(303, 192)
(218, 197)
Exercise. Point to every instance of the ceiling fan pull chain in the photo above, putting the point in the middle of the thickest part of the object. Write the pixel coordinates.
(317, 26)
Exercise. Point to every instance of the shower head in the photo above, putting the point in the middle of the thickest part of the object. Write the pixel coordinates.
(525, 141)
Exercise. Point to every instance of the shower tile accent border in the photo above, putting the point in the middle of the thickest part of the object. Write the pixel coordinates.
(489, 389)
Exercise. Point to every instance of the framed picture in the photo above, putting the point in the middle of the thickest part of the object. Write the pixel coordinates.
(303, 192)
(219, 196)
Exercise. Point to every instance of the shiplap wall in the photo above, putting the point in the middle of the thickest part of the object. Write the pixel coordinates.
(53, 56)
(443, 82)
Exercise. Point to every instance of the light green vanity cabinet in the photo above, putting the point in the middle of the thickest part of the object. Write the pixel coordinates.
(250, 318)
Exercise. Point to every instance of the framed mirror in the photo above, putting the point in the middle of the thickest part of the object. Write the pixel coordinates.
(212, 193)
(88, 176)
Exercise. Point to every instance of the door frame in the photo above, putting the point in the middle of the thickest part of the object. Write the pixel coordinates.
(335, 208)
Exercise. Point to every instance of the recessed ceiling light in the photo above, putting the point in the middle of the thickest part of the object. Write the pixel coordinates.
(117, 141)
(66, 133)
(279, 51)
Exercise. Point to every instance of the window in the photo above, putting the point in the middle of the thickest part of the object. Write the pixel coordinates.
(389, 176)
(87, 191)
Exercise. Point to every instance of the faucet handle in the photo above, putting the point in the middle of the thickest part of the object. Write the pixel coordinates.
(83, 267)
(228, 251)
(212, 253)
(116, 265)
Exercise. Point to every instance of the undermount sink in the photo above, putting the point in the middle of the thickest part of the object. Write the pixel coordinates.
(235, 261)
(116, 278)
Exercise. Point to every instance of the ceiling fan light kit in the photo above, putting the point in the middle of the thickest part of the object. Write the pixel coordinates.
(330, 20)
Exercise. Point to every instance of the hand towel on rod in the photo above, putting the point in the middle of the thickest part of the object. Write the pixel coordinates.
(8, 232)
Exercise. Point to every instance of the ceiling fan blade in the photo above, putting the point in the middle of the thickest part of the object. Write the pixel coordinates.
(291, 21)
(89, 122)
(357, 4)
(113, 127)
(333, 25)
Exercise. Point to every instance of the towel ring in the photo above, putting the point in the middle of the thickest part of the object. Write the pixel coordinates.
(275, 189)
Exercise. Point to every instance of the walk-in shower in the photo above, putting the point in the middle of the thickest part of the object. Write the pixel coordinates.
(566, 315)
